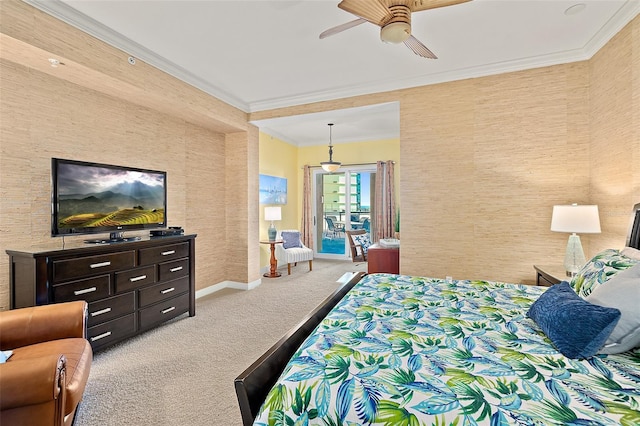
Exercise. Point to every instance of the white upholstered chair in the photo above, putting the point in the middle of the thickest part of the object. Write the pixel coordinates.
(292, 250)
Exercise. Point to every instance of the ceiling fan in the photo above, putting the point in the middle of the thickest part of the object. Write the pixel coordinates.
(393, 17)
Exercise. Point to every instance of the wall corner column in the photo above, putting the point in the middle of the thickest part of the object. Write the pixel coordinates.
(242, 206)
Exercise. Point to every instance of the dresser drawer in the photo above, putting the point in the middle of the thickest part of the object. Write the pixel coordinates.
(91, 265)
(172, 270)
(88, 289)
(163, 311)
(152, 255)
(112, 331)
(110, 308)
(162, 291)
(135, 278)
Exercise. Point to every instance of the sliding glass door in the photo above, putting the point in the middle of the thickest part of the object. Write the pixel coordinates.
(342, 202)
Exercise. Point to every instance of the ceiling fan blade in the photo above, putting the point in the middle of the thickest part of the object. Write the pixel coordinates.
(339, 28)
(371, 10)
(418, 48)
(418, 5)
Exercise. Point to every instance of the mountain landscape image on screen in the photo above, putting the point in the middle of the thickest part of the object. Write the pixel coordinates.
(100, 197)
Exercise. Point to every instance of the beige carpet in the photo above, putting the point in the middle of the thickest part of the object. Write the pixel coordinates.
(182, 372)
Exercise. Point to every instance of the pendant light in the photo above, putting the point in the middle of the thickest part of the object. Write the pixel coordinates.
(330, 166)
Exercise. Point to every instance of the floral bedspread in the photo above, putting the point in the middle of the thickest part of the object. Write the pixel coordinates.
(401, 350)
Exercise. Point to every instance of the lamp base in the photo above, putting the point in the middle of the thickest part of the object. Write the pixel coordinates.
(574, 258)
(272, 232)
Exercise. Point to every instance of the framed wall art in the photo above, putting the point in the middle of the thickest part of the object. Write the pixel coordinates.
(273, 190)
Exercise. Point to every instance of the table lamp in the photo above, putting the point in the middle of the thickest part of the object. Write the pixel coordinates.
(574, 219)
(272, 213)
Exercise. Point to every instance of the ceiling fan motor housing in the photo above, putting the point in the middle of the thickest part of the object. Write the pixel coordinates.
(398, 28)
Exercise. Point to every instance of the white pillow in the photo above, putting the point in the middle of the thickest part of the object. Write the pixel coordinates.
(631, 252)
(622, 291)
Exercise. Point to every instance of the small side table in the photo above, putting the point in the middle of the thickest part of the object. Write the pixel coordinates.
(383, 259)
(273, 273)
(549, 275)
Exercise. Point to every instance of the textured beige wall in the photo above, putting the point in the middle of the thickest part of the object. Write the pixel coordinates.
(615, 133)
(95, 108)
(242, 211)
(484, 160)
(492, 158)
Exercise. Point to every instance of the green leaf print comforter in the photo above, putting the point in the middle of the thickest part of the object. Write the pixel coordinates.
(402, 350)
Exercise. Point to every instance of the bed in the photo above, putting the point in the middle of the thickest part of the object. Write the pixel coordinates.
(407, 350)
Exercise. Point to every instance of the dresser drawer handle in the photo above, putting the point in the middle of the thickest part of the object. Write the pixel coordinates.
(100, 312)
(85, 291)
(167, 253)
(168, 310)
(134, 279)
(169, 290)
(101, 336)
(99, 265)
(176, 269)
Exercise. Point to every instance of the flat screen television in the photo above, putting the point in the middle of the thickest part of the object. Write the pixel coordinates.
(92, 198)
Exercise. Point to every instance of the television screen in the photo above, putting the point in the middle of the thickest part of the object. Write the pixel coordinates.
(91, 198)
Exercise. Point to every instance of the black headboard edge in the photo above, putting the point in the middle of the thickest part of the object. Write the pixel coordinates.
(633, 239)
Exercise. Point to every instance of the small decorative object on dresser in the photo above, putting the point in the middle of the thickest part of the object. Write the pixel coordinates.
(130, 286)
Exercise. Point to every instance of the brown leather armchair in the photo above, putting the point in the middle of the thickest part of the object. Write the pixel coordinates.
(43, 381)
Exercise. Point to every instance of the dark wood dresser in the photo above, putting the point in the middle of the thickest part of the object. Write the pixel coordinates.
(130, 286)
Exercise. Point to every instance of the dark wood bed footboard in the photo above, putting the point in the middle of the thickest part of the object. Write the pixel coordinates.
(254, 383)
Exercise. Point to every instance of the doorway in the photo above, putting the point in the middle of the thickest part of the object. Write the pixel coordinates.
(343, 201)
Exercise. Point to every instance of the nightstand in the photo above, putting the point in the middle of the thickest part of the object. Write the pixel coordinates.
(549, 275)
(383, 259)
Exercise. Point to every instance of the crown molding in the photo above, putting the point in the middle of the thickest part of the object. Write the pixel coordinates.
(71, 16)
(65, 13)
(623, 16)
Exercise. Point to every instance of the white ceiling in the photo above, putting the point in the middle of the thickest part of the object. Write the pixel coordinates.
(258, 55)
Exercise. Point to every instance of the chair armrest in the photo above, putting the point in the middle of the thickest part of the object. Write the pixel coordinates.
(357, 251)
(27, 326)
(281, 253)
(32, 381)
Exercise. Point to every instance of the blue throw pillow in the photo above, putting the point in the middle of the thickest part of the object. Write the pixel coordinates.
(577, 328)
(290, 239)
(363, 240)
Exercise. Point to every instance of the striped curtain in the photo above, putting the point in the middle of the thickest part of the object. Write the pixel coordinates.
(385, 201)
(306, 227)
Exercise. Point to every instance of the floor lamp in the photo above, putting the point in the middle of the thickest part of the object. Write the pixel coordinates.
(575, 219)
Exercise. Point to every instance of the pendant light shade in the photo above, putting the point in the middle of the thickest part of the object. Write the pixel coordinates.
(330, 166)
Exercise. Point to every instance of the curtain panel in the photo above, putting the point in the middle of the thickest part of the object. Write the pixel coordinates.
(306, 227)
(385, 201)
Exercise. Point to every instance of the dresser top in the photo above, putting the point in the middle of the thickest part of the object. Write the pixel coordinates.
(79, 247)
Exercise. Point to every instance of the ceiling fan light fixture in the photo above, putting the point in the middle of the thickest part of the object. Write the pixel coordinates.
(395, 32)
(330, 166)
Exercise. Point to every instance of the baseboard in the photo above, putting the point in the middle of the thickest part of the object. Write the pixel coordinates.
(227, 284)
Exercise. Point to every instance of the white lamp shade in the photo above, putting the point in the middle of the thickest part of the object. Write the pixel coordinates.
(272, 213)
(580, 219)
(330, 166)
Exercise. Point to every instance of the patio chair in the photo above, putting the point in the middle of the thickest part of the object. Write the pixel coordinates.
(334, 228)
(359, 243)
